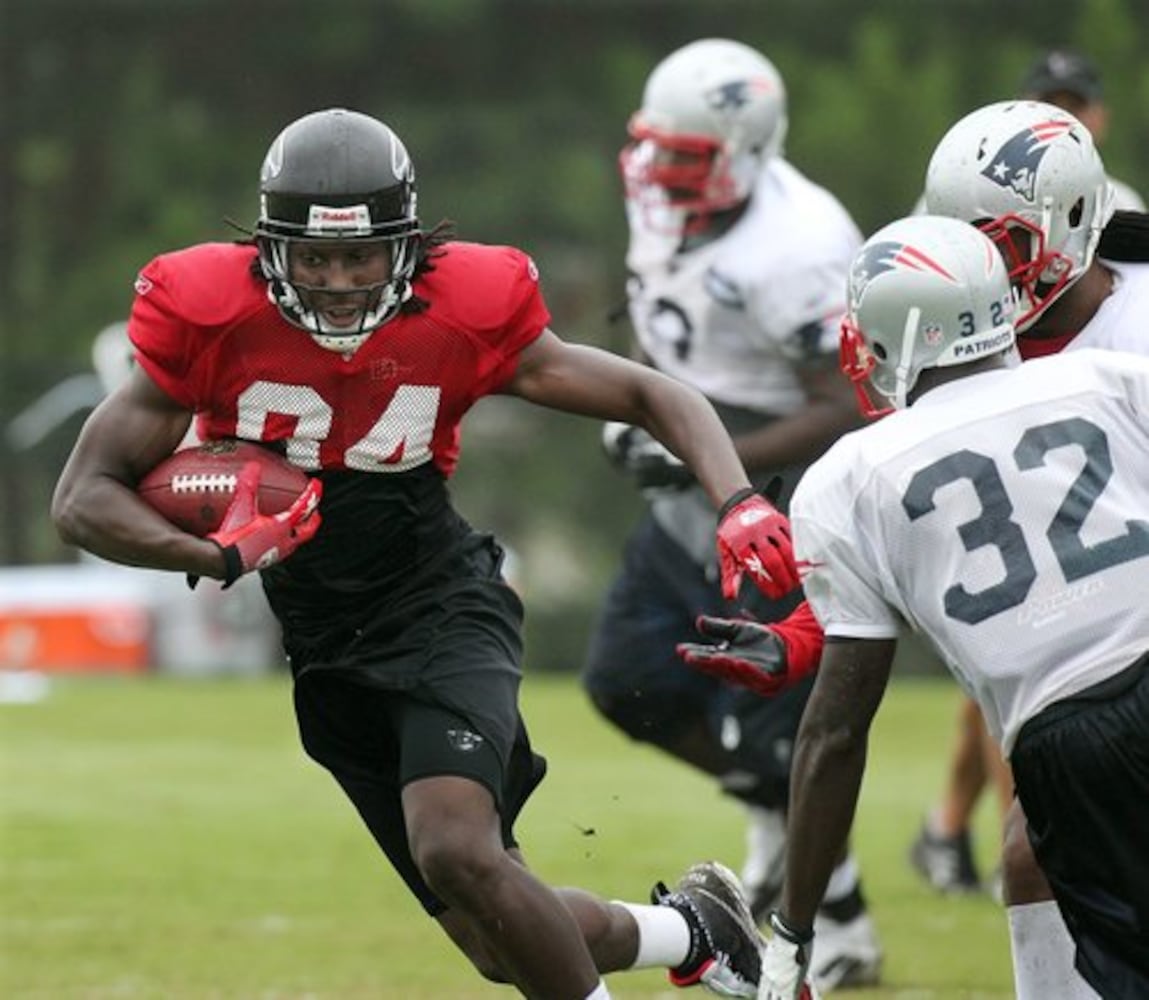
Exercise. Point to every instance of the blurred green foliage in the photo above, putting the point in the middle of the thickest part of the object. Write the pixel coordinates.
(133, 126)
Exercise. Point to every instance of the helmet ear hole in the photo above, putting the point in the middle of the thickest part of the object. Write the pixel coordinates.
(879, 350)
(1076, 213)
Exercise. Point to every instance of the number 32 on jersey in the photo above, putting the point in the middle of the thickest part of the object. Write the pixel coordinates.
(995, 525)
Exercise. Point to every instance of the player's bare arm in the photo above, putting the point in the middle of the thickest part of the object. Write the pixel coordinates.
(596, 383)
(830, 411)
(95, 505)
(829, 758)
(752, 536)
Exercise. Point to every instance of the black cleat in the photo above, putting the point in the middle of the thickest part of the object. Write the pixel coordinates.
(725, 946)
(946, 863)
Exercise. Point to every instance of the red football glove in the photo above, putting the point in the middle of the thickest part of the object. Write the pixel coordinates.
(767, 659)
(754, 538)
(251, 540)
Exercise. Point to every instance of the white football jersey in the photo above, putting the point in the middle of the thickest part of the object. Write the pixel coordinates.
(736, 316)
(1126, 198)
(1004, 515)
(1122, 321)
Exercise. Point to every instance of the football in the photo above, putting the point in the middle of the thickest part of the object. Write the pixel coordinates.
(194, 486)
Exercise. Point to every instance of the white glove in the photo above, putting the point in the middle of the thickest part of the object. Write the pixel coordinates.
(786, 964)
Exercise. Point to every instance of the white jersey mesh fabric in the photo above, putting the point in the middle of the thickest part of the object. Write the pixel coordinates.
(1004, 515)
(1122, 321)
(734, 317)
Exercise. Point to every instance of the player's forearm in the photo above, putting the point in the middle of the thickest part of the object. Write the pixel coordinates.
(106, 519)
(796, 439)
(689, 426)
(825, 782)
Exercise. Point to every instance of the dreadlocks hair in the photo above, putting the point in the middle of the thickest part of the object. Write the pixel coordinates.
(430, 247)
(1125, 238)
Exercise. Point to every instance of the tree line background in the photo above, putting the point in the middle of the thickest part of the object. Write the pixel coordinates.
(132, 127)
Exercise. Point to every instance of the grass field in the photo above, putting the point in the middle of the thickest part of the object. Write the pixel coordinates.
(166, 838)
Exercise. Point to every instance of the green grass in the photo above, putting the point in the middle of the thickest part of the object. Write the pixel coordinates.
(167, 838)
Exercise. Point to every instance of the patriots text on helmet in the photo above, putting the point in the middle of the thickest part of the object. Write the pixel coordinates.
(967, 351)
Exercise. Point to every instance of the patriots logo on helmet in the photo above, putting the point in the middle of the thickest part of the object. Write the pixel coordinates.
(889, 255)
(736, 94)
(1016, 163)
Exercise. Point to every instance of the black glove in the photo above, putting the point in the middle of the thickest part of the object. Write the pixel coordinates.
(740, 652)
(645, 460)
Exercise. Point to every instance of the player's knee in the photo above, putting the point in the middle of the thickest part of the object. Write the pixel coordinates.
(456, 864)
(1022, 880)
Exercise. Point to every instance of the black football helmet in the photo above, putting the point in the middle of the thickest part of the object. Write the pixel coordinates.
(339, 175)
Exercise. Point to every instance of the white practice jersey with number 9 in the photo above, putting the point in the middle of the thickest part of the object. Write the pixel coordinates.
(737, 316)
(1005, 516)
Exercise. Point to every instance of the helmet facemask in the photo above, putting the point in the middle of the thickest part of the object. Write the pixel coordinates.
(1038, 275)
(683, 177)
(378, 302)
(858, 361)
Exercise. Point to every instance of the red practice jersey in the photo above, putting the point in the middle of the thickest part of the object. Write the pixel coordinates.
(206, 332)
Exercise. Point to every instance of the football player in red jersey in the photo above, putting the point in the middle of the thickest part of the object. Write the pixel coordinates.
(353, 341)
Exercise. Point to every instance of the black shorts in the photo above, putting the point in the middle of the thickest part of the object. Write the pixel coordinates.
(428, 685)
(1081, 768)
(635, 677)
(375, 741)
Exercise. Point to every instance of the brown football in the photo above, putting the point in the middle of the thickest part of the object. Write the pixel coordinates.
(193, 487)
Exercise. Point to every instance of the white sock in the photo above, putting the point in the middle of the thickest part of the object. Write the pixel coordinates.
(600, 992)
(934, 826)
(1043, 955)
(765, 844)
(843, 880)
(663, 937)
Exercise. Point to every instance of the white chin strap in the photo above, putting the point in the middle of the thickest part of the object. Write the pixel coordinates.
(331, 339)
(347, 343)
